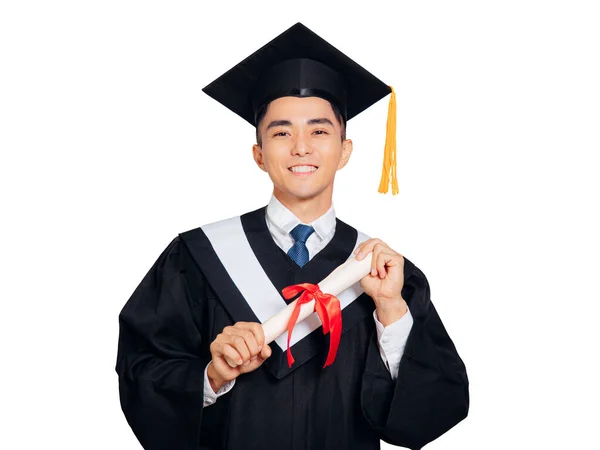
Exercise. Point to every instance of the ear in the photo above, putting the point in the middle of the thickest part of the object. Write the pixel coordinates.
(346, 152)
(257, 154)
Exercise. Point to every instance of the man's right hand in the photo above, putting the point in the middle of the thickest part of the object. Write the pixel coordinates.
(238, 349)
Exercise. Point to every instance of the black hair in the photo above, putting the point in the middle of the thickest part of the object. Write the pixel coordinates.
(336, 112)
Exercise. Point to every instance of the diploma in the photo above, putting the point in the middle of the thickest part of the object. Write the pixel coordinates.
(336, 282)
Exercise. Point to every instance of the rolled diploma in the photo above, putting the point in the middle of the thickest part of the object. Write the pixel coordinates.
(335, 283)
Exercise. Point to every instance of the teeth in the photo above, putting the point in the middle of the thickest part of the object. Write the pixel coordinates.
(303, 169)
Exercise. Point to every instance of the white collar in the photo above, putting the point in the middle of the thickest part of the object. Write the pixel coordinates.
(286, 220)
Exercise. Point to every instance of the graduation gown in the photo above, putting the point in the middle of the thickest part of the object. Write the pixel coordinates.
(216, 275)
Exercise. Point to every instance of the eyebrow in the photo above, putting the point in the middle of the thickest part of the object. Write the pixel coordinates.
(287, 123)
(279, 123)
(319, 121)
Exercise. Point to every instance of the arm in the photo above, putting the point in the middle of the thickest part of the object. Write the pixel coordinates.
(391, 340)
(210, 396)
(431, 394)
(162, 355)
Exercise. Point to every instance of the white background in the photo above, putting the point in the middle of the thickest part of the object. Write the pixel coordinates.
(110, 148)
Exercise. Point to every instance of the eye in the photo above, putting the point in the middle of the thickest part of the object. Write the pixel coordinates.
(280, 133)
(320, 132)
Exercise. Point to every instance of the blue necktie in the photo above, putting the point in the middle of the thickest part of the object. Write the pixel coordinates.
(299, 252)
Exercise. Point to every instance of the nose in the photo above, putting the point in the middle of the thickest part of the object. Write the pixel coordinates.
(301, 146)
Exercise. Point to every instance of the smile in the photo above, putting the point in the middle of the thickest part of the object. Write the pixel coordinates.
(303, 169)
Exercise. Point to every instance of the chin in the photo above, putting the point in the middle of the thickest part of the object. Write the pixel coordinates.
(304, 194)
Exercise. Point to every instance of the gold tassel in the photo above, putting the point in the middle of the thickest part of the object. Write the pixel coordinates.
(389, 155)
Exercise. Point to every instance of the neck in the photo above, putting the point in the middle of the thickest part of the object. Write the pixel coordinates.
(307, 210)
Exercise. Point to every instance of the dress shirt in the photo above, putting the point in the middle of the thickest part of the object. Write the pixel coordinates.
(280, 221)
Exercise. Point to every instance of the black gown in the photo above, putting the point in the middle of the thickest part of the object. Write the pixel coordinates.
(188, 297)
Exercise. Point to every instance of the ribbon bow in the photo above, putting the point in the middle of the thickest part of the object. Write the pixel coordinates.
(328, 310)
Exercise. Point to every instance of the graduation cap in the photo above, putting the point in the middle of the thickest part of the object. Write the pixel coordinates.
(300, 63)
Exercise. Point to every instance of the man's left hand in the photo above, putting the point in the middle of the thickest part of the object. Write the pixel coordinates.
(384, 283)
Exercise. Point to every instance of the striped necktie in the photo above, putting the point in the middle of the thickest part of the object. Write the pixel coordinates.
(299, 252)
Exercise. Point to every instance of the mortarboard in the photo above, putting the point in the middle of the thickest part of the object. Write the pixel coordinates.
(300, 63)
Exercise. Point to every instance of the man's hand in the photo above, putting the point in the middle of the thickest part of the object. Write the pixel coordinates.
(238, 349)
(384, 283)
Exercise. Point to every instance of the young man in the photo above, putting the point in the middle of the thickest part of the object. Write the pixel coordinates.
(194, 369)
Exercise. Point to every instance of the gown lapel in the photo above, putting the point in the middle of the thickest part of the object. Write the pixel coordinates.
(248, 271)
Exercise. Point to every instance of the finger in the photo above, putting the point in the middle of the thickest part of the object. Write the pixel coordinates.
(359, 246)
(252, 365)
(360, 251)
(368, 247)
(256, 361)
(219, 348)
(374, 263)
(228, 330)
(249, 340)
(241, 329)
(266, 352)
(257, 331)
(230, 354)
(382, 259)
(230, 362)
(396, 259)
(378, 248)
(386, 260)
(357, 250)
(239, 343)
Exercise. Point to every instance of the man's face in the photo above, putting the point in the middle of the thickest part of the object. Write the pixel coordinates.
(301, 147)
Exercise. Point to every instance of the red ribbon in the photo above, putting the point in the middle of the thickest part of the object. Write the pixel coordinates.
(328, 309)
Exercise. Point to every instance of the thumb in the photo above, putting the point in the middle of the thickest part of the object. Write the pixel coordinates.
(257, 361)
(254, 364)
(265, 352)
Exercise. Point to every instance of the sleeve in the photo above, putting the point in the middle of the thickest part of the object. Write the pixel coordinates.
(162, 356)
(210, 396)
(391, 340)
(431, 393)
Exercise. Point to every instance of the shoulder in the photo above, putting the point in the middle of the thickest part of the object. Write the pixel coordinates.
(222, 226)
(171, 257)
(416, 290)
(206, 235)
(215, 224)
(412, 271)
